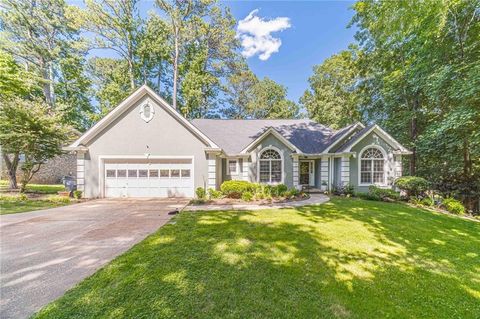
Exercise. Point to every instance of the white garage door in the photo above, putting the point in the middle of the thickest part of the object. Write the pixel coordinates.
(164, 178)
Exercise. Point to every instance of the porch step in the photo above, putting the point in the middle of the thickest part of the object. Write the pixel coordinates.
(312, 190)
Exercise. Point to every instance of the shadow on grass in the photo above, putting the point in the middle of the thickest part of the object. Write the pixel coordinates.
(346, 258)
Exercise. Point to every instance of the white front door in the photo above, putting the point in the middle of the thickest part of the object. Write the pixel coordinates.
(307, 172)
(165, 178)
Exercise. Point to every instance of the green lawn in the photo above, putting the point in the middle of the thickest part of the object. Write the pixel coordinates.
(37, 188)
(347, 259)
(8, 207)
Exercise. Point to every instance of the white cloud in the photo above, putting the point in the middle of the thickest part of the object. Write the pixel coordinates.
(255, 35)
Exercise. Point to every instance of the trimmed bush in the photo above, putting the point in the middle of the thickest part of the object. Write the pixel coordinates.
(384, 194)
(235, 189)
(453, 206)
(58, 199)
(77, 194)
(247, 196)
(343, 190)
(412, 185)
(214, 194)
(200, 192)
(279, 190)
(368, 196)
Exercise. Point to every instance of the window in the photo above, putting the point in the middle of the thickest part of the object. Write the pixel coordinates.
(121, 173)
(372, 167)
(153, 173)
(185, 173)
(164, 173)
(174, 173)
(270, 168)
(232, 167)
(111, 173)
(132, 173)
(142, 173)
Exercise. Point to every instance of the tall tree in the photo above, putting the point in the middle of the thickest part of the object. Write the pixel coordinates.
(239, 92)
(332, 98)
(37, 31)
(117, 26)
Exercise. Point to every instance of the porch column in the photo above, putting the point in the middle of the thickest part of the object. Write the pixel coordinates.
(345, 170)
(245, 168)
(81, 171)
(296, 182)
(212, 171)
(324, 173)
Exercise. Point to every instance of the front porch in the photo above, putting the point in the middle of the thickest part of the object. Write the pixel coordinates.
(320, 173)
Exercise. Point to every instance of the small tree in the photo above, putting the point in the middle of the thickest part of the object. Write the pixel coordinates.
(29, 128)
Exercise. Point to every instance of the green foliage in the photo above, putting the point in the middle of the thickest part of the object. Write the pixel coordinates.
(342, 190)
(331, 99)
(368, 196)
(384, 194)
(235, 189)
(77, 194)
(427, 201)
(200, 192)
(453, 206)
(58, 199)
(278, 190)
(247, 196)
(214, 194)
(13, 198)
(412, 185)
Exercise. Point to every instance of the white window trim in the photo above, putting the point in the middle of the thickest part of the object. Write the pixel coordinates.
(271, 147)
(359, 166)
(237, 168)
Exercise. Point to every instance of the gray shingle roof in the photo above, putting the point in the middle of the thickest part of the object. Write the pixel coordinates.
(234, 135)
(355, 137)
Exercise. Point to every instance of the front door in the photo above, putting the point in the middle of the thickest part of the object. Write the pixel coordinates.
(307, 172)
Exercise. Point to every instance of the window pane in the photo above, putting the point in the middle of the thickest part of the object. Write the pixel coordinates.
(164, 173)
(270, 154)
(378, 165)
(185, 173)
(232, 166)
(378, 178)
(111, 173)
(366, 178)
(132, 173)
(264, 166)
(142, 173)
(153, 173)
(264, 178)
(121, 173)
(174, 173)
(276, 171)
(366, 165)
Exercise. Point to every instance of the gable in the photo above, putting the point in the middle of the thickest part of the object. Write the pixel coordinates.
(268, 135)
(134, 102)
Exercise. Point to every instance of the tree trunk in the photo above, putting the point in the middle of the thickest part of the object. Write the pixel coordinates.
(175, 70)
(159, 78)
(130, 74)
(12, 169)
(413, 136)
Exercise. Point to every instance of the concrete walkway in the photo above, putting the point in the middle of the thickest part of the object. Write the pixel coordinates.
(46, 252)
(314, 199)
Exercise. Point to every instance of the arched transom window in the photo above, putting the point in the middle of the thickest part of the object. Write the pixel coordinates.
(270, 166)
(372, 167)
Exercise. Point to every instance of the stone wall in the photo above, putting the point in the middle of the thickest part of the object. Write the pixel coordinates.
(52, 171)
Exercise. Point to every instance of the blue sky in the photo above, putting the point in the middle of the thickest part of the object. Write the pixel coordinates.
(317, 29)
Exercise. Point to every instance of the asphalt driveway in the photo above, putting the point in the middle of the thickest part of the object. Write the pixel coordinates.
(46, 252)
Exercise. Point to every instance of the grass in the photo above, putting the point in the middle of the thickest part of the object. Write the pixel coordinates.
(37, 188)
(348, 258)
(9, 207)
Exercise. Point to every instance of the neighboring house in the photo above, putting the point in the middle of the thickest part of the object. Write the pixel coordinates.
(145, 148)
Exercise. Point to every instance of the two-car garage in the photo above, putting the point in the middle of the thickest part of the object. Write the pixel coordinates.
(166, 177)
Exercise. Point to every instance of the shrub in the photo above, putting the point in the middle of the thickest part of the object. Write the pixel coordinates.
(247, 196)
(14, 198)
(235, 189)
(58, 199)
(384, 194)
(279, 190)
(213, 194)
(292, 193)
(427, 201)
(343, 190)
(77, 194)
(453, 206)
(412, 185)
(368, 196)
(200, 192)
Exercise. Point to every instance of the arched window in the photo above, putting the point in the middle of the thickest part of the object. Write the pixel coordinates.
(372, 167)
(270, 166)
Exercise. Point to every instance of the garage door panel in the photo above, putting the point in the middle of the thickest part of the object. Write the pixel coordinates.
(172, 178)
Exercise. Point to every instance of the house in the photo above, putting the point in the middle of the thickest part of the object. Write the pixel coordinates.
(145, 148)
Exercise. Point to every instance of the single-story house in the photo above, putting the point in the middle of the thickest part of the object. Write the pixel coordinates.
(145, 148)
